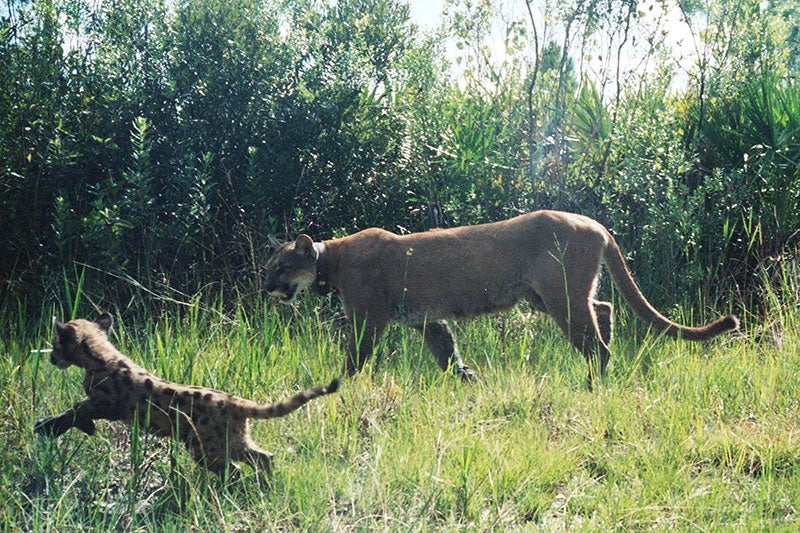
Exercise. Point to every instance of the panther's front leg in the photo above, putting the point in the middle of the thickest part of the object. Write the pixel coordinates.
(80, 416)
(364, 335)
(440, 340)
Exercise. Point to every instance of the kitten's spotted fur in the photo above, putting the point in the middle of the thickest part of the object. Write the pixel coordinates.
(212, 424)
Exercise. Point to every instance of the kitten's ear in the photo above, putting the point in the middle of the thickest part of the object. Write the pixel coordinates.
(64, 331)
(105, 321)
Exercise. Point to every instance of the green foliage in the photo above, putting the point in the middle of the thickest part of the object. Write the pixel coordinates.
(748, 160)
(148, 148)
(158, 143)
(237, 123)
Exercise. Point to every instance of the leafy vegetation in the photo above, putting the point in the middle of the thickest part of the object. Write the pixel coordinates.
(148, 149)
(163, 141)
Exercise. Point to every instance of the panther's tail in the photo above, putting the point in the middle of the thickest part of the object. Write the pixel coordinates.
(618, 268)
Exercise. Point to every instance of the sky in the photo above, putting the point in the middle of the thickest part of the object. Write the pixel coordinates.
(427, 15)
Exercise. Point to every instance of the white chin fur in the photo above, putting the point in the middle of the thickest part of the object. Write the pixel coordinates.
(284, 298)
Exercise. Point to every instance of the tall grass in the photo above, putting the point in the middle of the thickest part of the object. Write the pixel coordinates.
(678, 436)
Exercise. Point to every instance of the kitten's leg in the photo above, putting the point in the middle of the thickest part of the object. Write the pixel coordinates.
(259, 458)
(80, 416)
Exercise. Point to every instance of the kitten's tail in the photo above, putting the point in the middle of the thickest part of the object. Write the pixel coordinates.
(284, 407)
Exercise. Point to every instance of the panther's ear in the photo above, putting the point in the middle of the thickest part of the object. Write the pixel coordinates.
(304, 244)
(105, 321)
(64, 331)
(273, 242)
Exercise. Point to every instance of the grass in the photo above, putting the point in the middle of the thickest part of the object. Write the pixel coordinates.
(678, 436)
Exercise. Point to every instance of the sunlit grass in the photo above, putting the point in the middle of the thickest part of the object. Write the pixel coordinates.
(678, 436)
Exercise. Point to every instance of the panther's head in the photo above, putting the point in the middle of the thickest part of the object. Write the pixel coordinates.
(291, 269)
(71, 340)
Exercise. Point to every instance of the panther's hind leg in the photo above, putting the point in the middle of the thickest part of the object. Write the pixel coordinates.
(604, 314)
(585, 334)
(585, 321)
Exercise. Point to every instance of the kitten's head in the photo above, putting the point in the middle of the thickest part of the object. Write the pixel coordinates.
(71, 344)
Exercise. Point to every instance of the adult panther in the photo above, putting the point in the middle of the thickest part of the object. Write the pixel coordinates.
(549, 258)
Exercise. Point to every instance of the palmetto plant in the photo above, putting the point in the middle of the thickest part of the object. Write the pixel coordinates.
(591, 128)
(757, 132)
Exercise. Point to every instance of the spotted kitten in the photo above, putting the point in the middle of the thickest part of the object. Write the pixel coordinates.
(211, 423)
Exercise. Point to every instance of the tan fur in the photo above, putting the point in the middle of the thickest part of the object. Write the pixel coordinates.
(212, 424)
(549, 258)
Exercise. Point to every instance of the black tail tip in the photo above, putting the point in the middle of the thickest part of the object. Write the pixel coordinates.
(730, 322)
(333, 386)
